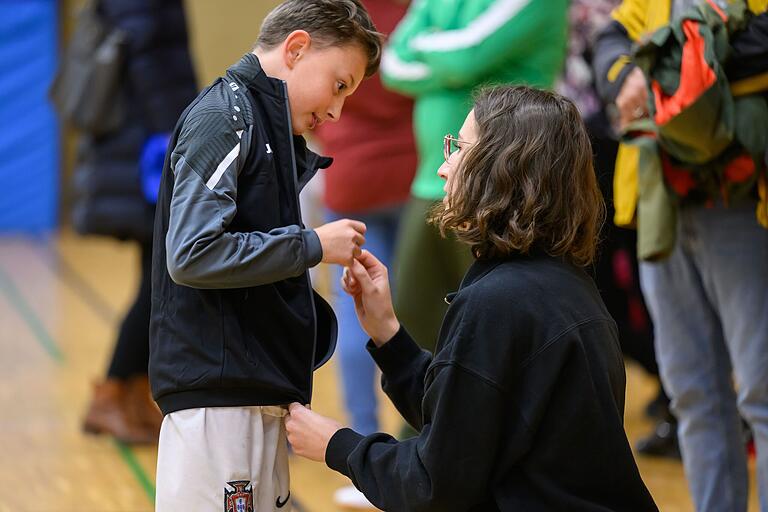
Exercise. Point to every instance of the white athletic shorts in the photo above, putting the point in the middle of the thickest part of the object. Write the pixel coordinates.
(228, 459)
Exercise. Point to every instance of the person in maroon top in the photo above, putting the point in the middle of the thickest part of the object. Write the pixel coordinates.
(370, 180)
(373, 142)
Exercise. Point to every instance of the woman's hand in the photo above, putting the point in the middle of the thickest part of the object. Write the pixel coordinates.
(308, 432)
(367, 281)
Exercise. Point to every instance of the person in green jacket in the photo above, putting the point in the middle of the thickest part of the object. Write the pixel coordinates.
(439, 53)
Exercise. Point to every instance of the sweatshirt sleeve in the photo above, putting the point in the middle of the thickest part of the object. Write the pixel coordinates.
(421, 59)
(403, 368)
(201, 251)
(464, 430)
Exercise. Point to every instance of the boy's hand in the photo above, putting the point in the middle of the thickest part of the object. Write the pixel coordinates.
(367, 281)
(341, 241)
(308, 432)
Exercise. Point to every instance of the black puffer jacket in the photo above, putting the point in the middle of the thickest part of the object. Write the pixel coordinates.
(159, 83)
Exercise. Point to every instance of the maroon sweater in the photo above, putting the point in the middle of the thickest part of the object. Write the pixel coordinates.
(372, 143)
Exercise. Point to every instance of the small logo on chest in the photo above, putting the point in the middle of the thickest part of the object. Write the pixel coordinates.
(269, 149)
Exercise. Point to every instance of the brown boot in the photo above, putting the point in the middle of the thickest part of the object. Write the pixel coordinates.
(109, 414)
(145, 409)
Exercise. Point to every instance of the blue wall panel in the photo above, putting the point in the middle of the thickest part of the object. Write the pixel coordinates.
(29, 136)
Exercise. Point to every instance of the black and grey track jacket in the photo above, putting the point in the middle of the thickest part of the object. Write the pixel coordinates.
(235, 321)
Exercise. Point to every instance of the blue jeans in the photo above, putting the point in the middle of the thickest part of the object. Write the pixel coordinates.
(709, 304)
(357, 369)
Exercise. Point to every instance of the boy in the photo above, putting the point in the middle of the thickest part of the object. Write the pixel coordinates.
(236, 328)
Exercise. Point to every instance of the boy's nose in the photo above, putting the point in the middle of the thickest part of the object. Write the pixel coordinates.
(334, 111)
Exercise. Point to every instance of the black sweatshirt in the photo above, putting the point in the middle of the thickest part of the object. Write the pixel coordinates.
(520, 409)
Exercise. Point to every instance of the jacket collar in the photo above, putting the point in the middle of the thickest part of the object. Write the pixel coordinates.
(249, 72)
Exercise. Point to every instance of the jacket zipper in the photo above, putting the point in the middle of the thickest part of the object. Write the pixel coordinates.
(298, 209)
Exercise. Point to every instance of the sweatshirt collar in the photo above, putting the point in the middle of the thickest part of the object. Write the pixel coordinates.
(481, 267)
(477, 270)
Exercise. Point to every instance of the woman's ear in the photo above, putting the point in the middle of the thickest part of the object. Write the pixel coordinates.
(297, 43)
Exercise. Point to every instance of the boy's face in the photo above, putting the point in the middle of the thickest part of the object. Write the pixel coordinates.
(319, 80)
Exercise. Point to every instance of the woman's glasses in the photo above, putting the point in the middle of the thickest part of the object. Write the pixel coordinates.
(451, 145)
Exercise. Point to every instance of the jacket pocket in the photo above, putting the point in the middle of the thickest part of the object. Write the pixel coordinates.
(194, 352)
(241, 351)
(327, 331)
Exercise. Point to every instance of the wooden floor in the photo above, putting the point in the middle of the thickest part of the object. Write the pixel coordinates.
(60, 301)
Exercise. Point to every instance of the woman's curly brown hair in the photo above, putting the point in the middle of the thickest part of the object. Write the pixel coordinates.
(528, 182)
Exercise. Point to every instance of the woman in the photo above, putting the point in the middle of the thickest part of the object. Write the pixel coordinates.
(522, 406)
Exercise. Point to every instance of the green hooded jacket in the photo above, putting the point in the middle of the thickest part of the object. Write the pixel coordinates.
(443, 49)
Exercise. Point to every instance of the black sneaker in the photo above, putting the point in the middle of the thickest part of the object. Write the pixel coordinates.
(658, 408)
(662, 442)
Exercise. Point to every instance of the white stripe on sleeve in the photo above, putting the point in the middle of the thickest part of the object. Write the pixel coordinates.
(474, 33)
(392, 65)
(216, 176)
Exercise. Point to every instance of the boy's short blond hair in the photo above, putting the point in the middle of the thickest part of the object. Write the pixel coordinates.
(328, 22)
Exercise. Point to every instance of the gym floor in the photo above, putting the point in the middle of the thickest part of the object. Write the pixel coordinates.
(61, 298)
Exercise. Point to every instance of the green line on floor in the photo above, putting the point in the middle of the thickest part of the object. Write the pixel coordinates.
(46, 340)
(99, 306)
(85, 293)
(130, 459)
(28, 314)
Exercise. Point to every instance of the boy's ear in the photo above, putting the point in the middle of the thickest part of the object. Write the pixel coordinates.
(297, 43)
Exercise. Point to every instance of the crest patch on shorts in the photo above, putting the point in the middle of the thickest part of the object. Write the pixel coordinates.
(240, 499)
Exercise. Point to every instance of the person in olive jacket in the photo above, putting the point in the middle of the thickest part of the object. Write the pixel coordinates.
(521, 408)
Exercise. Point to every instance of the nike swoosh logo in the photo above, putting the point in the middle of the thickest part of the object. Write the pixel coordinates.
(280, 504)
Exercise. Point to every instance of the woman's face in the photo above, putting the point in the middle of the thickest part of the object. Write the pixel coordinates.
(458, 147)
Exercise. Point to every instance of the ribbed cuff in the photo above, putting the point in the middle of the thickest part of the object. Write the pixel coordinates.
(395, 354)
(313, 250)
(339, 447)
